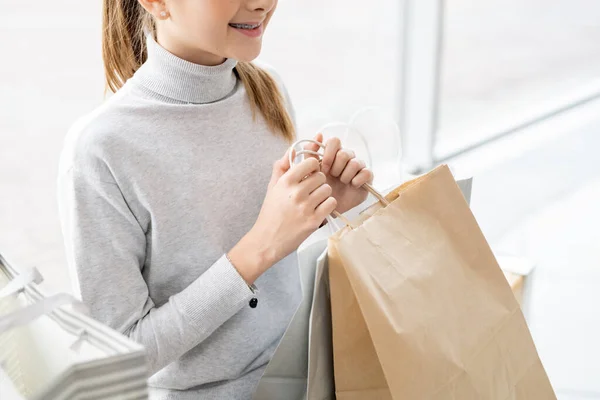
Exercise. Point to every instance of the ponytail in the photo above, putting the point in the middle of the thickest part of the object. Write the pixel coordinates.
(124, 23)
(265, 97)
(123, 40)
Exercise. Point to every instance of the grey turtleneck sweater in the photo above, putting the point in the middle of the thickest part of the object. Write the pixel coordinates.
(155, 187)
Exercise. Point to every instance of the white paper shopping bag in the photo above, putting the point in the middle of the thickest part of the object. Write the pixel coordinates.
(286, 374)
(320, 383)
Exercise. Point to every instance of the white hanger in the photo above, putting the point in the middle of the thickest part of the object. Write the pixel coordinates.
(18, 284)
(35, 310)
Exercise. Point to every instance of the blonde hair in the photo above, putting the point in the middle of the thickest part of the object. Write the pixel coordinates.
(124, 23)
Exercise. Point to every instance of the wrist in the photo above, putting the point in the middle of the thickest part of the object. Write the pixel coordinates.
(251, 257)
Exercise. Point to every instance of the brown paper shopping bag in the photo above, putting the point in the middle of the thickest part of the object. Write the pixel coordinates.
(420, 307)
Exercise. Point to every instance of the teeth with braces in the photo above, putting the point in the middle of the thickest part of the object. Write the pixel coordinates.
(245, 26)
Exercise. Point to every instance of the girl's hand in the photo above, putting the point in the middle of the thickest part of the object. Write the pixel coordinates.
(345, 173)
(298, 200)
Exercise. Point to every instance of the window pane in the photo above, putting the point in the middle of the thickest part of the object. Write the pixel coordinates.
(507, 61)
(336, 57)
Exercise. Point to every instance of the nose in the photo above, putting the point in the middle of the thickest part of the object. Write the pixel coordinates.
(261, 5)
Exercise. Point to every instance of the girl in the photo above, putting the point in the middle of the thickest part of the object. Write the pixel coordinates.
(175, 233)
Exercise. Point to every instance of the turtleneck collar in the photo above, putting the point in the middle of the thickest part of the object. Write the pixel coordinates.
(170, 76)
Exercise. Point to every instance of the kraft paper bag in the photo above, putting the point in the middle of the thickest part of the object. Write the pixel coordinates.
(302, 365)
(420, 307)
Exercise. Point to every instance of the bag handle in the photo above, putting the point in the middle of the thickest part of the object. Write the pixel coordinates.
(369, 188)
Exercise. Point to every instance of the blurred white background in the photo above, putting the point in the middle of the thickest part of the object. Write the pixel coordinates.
(502, 64)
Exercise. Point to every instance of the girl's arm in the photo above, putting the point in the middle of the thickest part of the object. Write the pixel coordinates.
(106, 249)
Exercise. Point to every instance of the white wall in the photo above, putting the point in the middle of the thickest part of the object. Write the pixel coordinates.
(50, 73)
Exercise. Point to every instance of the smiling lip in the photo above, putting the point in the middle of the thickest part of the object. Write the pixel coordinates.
(251, 29)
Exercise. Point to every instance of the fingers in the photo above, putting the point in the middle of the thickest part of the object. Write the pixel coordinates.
(337, 162)
(284, 162)
(280, 167)
(298, 172)
(325, 208)
(364, 176)
(319, 195)
(313, 146)
(332, 147)
(342, 158)
(310, 184)
(353, 167)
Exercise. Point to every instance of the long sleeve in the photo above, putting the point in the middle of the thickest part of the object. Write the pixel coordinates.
(106, 250)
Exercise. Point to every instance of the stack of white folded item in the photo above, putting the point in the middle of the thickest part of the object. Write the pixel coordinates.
(49, 348)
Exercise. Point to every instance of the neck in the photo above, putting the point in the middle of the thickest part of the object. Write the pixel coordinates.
(190, 54)
(174, 77)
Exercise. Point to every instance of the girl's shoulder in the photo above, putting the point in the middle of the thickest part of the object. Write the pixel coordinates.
(92, 134)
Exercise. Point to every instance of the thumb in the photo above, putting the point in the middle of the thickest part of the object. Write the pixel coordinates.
(280, 167)
(314, 147)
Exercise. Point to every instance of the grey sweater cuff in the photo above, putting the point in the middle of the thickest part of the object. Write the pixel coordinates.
(213, 298)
